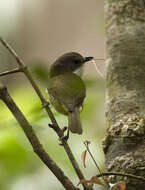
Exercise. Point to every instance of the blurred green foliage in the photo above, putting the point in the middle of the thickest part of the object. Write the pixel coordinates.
(17, 158)
(20, 168)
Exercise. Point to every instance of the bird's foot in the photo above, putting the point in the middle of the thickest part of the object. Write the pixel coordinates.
(53, 126)
(64, 129)
(64, 137)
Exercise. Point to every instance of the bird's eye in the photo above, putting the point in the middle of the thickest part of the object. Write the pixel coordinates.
(76, 61)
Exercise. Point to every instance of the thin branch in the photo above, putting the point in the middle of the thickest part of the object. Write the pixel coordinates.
(100, 59)
(19, 61)
(45, 104)
(120, 174)
(37, 147)
(10, 72)
(24, 69)
(86, 143)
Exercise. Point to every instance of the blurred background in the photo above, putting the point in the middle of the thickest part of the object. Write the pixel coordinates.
(40, 31)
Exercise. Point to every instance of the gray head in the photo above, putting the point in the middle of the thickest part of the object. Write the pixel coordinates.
(68, 62)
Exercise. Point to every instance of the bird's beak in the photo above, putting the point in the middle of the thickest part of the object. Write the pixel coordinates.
(86, 59)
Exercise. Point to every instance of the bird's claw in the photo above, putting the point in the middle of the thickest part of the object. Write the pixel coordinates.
(64, 129)
(64, 137)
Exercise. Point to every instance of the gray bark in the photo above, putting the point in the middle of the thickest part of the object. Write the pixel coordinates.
(124, 144)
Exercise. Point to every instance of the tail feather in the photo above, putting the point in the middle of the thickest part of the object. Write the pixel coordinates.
(74, 122)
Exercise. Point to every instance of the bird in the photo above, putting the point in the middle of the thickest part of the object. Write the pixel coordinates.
(66, 90)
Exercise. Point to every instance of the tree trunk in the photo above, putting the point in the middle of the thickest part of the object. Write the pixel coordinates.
(124, 144)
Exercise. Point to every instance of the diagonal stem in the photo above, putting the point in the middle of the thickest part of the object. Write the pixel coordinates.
(120, 174)
(45, 104)
(19, 61)
(86, 143)
(10, 72)
(33, 139)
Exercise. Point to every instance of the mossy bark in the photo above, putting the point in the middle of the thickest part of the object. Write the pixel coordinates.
(124, 144)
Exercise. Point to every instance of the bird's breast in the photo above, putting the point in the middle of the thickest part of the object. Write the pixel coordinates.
(69, 89)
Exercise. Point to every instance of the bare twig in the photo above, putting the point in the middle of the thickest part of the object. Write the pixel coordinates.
(24, 69)
(120, 174)
(37, 147)
(10, 72)
(101, 59)
(19, 61)
(45, 104)
(86, 143)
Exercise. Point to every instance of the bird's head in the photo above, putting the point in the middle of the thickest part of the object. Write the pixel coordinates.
(69, 62)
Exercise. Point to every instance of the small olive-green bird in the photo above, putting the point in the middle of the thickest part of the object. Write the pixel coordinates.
(66, 89)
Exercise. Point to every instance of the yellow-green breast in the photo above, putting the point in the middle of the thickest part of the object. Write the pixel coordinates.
(66, 91)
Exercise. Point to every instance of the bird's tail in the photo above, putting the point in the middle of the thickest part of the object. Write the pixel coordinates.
(74, 122)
